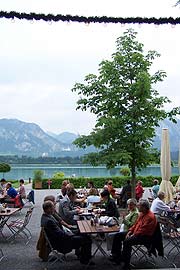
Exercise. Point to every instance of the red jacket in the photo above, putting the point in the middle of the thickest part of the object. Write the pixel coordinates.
(145, 224)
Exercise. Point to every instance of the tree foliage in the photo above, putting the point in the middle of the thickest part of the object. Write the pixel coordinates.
(4, 167)
(126, 105)
(38, 174)
(58, 175)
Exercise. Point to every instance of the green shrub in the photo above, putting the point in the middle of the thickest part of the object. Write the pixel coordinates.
(118, 181)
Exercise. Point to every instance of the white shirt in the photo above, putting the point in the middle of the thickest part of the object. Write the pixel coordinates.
(158, 206)
(93, 199)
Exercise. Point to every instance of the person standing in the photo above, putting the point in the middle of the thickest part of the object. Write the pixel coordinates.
(139, 191)
(125, 194)
(155, 189)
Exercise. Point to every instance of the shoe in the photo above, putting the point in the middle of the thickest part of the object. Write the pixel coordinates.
(115, 260)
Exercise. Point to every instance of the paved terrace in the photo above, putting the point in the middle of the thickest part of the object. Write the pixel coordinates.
(20, 256)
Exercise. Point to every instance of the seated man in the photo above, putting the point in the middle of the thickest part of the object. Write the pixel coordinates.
(57, 216)
(11, 192)
(109, 205)
(158, 205)
(67, 209)
(59, 239)
(139, 234)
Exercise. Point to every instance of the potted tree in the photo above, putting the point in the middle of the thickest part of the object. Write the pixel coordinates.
(38, 174)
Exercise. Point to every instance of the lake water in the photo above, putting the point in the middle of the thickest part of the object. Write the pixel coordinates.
(26, 170)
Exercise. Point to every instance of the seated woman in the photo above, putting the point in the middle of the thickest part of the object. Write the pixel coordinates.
(21, 190)
(131, 217)
(109, 205)
(93, 197)
(112, 190)
(90, 185)
(127, 222)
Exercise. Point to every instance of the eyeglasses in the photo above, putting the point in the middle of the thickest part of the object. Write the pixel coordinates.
(109, 183)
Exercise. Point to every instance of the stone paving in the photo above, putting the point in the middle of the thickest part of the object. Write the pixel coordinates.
(19, 256)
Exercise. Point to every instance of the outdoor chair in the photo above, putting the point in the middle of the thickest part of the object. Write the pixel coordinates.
(56, 255)
(171, 235)
(15, 202)
(1, 254)
(152, 251)
(18, 227)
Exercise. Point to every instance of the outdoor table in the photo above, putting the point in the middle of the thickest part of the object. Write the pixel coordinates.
(85, 227)
(5, 214)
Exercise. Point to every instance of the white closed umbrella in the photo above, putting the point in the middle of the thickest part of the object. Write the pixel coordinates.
(165, 162)
(177, 186)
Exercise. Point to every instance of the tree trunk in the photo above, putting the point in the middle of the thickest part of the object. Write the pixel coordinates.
(133, 180)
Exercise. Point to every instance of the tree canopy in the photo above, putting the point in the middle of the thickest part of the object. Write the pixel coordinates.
(4, 167)
(127, 107)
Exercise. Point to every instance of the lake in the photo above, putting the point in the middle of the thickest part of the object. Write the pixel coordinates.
(26, 170)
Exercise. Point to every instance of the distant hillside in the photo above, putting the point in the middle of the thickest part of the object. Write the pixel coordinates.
(174, 135)
(64, 137)
(21, 138)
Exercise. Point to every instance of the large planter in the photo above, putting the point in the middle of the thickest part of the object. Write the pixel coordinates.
(38, 185)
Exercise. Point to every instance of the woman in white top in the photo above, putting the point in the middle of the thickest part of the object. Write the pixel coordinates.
(93, 197)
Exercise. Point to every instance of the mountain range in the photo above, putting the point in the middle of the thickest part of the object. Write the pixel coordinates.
(21, 138)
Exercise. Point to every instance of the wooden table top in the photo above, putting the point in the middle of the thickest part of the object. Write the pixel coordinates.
(86, 227)
(8, 212)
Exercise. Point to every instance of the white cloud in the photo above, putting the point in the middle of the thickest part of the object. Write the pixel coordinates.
(40, 63)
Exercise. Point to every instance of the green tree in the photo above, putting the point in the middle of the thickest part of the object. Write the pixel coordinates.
(126, 105)
(4, 168)
(58, 175)
(125, 171)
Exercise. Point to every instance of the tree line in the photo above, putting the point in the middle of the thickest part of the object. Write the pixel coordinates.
(39, 160)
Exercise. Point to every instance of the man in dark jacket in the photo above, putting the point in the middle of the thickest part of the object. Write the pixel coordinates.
(109, 205)
(125, 194)
(59, 239)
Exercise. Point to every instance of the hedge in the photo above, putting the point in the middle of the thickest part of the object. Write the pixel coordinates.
(99, 182)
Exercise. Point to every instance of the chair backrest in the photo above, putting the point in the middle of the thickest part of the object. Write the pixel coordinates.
(47, 239)
(28, 216)
(18, 201)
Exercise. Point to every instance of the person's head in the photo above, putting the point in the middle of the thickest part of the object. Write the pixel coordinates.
(69, 186)
(105, 195)
(128, 182)
(110, 183)
(48, 207)
(139, 183)
(8, 185)
(155, 181)
(72, 194)
(143, 205)
(65, 182)
(161, 195)
(93, 191)
(131, 203)
(90, 184)
(50, 198)
(3, 181)
(21, 181)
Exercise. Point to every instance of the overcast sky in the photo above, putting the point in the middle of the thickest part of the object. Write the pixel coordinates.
(41, 62)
